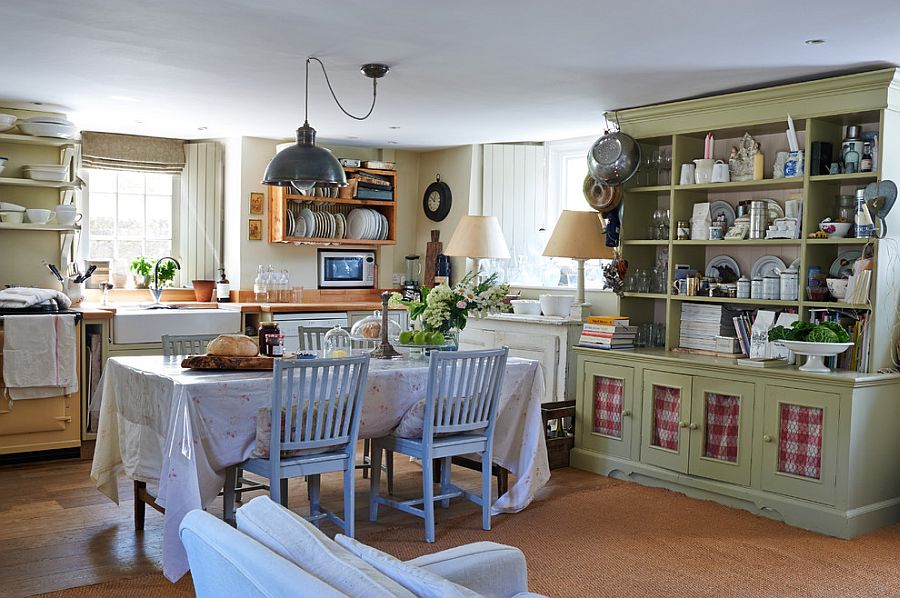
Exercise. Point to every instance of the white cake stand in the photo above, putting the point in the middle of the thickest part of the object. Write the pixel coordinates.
(816, 352)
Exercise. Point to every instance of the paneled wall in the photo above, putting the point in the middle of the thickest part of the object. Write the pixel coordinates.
(200, 212)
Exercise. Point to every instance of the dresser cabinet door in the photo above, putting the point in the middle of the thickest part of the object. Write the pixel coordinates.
(721, 429)
(800, 439)
(666, 414)
(606, 418)
(540, 347)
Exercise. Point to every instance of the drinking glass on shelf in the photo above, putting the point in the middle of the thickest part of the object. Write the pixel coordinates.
(659, 334)
(642, 281)
(665, 167)
(628, 285)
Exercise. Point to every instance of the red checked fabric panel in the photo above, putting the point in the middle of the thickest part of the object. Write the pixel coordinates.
(608, 406)
(722, 427)
(800, 441)
(666, 404)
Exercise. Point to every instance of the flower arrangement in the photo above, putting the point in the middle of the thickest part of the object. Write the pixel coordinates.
(443, 308)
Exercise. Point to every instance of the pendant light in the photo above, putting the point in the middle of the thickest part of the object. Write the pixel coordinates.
(304, 164)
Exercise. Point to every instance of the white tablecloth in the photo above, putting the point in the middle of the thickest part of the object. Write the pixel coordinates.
(178, 430)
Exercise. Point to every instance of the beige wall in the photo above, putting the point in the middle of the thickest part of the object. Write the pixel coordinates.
(245, 162)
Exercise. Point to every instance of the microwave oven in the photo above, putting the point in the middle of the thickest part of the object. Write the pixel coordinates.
(346, 269)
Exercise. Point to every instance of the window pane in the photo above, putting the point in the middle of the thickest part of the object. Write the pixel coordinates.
(131, 182)
(128, 250)
(159, 217)
(131, 216)
(158, 249)
(103, 213)
(101, 249)
(574, 178)
(102, 181)
(158, 184)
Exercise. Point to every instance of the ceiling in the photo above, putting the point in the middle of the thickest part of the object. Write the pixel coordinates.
(462, 72)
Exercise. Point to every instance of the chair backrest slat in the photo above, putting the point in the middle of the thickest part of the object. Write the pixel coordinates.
(321, 400)
(463, 390)
(185, 344)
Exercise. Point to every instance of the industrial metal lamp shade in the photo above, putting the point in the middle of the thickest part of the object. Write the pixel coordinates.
(304, 164)
(578, 235)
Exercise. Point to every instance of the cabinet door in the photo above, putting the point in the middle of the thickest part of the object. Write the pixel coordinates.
(800, 440)
(607, 402)
(721, 429)
(666, 411)
(542, 348)
(474, 339)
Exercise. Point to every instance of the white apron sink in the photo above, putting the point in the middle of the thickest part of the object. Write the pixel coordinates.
(130, 326)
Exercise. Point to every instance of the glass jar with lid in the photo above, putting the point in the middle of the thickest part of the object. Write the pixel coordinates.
(337, 343)
(369, 329)
(847, 208)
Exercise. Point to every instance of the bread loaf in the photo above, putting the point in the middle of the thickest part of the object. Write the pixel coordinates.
(233, 345)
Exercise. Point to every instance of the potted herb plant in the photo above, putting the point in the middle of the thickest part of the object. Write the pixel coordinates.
(142, 267)
(166, 273)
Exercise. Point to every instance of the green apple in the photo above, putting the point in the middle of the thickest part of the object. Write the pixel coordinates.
(419, 338)
(406, 337)
(436, 338)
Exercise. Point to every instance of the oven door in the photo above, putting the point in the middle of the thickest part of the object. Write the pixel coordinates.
(350, 270)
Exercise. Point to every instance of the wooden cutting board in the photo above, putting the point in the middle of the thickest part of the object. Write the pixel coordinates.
(222, 362)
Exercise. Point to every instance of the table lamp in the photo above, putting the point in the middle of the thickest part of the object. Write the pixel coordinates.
(578, 235)
(478, 237)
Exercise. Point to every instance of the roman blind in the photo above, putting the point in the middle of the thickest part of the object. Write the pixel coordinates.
(112, 151)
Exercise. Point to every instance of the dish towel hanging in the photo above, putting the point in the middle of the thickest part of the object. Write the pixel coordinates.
(39, 356)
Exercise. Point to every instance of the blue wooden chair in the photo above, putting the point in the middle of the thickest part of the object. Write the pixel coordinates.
(460, 413)
(185, 344)
(316, 407)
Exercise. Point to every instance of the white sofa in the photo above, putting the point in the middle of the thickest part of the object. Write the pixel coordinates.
(275, 552)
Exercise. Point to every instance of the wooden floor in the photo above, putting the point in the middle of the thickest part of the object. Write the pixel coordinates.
(57, 531)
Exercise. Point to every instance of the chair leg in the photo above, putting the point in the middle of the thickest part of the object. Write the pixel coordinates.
(283, 484)
(140, 507)
(314, 495)
(229, 495)
(366, 458)
(486, 490)
(238, 493)
(445, 481)
(389, 455)
(428, 505)
(375, 483)
(349, 499)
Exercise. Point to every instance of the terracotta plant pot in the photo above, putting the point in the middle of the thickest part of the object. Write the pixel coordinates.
(203, 289)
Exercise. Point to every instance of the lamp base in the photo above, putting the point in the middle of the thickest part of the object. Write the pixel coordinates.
(580, 311)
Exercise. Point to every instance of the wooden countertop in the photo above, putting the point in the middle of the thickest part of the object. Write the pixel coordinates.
(95, 311)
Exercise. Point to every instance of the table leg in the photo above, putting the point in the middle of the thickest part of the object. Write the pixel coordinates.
(140, 507)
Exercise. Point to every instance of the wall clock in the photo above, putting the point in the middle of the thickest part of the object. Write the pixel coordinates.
(437, 200)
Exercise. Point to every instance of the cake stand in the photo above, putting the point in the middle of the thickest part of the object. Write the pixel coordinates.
(816, 353)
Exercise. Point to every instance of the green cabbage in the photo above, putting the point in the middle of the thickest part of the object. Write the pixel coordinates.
(822, 334)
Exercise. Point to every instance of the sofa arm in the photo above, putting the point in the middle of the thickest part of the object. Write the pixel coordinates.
(490, 569)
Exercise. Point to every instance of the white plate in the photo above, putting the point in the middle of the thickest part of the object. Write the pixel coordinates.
(289, 224)
(371, 228)
(775, 209)
(719, 261)
(843, 265)
(767, 264)
(330, 218)
(340, 225)
(309, 220)
(299, 226)
(384, 229)
(722, 207)
(356, 222)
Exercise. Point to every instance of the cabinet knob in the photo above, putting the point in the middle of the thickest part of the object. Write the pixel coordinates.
(682, 424)
(693, 426)
(767, 438)
(626, 413)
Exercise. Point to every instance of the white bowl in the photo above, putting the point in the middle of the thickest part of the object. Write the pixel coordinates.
(835, 230)
(47, 130)
(556, 305)
(837, 287)
(526, 307)
(815, 352)
(38, 216)
(12, 217)
(7, 122)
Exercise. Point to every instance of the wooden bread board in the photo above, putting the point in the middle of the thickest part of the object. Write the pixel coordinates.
(223, 362)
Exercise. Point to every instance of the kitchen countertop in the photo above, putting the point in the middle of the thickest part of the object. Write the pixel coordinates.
(95, 311)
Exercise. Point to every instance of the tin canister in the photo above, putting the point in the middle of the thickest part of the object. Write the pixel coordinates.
(771, 287)
(683, 231)
(743, 288)
(756, 288)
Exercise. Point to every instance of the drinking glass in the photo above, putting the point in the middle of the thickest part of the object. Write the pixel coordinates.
(643, 281)
(659, 334)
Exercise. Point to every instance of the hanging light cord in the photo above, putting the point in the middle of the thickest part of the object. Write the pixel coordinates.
(331, 89)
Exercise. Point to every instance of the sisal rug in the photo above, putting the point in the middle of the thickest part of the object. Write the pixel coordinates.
(623, 539)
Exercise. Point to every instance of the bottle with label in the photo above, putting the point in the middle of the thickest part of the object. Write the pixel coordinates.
(851, 149)
(223, 288)
(260, 285)
(865, 164)
(864, 227)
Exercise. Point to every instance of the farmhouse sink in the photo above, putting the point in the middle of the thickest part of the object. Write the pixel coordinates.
(136, 324)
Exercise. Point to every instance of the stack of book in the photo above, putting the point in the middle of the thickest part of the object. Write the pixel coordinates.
(856, 322)
(607, 332)
(702, 323)
(373, 186)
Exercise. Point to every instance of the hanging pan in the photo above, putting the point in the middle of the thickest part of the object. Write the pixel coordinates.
(600, 196)
(614, 158)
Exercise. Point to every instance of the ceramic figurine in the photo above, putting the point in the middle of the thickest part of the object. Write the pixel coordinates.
(741, 165)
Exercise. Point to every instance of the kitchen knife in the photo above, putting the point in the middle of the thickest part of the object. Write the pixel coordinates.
(55, 272)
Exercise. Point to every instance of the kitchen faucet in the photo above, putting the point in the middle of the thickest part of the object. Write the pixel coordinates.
(155, 289)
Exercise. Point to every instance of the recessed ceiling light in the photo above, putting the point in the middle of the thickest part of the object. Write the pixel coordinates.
(814, 42)
(393, 142)
(201, 128)
(37, 103)
(352, 137)
(393, 127)
(140, 122)
(124, 99)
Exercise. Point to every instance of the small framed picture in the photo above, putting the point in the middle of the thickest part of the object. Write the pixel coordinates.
(254, 229)
(256, 203)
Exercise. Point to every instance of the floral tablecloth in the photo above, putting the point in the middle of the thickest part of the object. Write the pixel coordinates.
(178, 430)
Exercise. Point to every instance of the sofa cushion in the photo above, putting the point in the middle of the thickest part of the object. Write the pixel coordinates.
(303, 544)
(420, 582)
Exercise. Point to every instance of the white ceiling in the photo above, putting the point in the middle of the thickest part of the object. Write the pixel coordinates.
(463, 71)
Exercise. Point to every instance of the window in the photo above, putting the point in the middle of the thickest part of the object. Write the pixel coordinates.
(129, 214)
(565, 163)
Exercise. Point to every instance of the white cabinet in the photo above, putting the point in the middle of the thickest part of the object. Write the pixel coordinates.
(547, 340)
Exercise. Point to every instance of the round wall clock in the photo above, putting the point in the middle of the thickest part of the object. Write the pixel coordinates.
(437, 200)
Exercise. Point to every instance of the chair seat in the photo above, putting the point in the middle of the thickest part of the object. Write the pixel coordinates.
(301, 464)
(441, 446)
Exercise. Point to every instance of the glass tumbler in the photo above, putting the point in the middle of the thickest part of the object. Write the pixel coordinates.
(643, 281)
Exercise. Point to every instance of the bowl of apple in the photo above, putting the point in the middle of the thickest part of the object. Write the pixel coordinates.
(421, 342)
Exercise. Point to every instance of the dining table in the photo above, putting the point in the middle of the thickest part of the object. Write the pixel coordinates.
(175, 431)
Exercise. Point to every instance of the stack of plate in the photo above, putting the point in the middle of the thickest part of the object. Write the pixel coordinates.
(46, 172)
(48, 126)
(368, 224)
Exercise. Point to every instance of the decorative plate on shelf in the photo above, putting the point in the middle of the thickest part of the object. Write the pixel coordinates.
(289, 224)
(723, 267)
(723, 208)
(767, 264)
(842, 267)
(775, 209)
